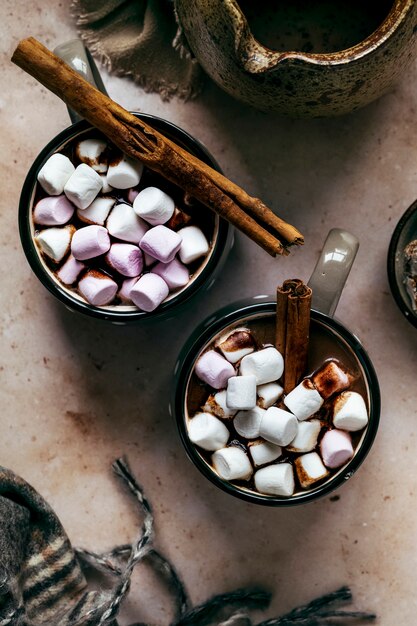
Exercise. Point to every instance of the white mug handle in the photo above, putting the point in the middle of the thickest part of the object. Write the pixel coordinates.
(75, 54)
(332, 269)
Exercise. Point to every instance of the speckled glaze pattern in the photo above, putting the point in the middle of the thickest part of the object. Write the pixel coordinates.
(294, 83)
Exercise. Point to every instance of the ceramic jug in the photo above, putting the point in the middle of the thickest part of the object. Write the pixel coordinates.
(298, 57)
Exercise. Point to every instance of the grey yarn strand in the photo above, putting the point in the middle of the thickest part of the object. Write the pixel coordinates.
(109, 562)
(229, 609)
(319, 612)
(139, 549)
(221, 607)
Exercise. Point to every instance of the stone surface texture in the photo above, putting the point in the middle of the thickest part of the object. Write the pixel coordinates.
(75, 393)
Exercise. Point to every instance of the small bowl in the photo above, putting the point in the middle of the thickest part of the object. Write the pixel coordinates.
(119, 314)
(405, 231)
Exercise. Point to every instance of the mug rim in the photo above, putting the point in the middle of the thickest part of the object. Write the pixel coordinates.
(401, 302)
(211, 327)
(55, 288)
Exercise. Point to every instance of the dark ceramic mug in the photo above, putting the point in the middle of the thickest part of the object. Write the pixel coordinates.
(327, 282)
(75, 54)
(302, 58)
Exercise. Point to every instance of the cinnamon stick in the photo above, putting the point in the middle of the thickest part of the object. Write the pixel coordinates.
(293, 329)
(254, 206)
(140, 141)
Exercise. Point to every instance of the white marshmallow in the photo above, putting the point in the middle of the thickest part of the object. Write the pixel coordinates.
(97, 211)
(216, 404)
(70, 270)
(267, 365)
(268, 394)
(349, 411)
(232, 464)
(154, 206)
(92, 152)
(124, 224)
(106, 187)
(193, 245)
(310, 469)
(83, 186)
(241, 392)
(331, 378)
(275, 480)
(207, 432)
(236, 344)
(55, 242)
(54, 174)
(306, 437)
(304, 400)
(248, 423)
(278, 426)
(263, 452)
(124, 174)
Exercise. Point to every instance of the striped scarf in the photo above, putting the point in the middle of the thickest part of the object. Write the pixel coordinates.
(42, 580)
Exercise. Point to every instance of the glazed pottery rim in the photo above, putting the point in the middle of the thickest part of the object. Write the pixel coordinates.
(401, 302)
(246, 42)
(59, 291)
(205, 332)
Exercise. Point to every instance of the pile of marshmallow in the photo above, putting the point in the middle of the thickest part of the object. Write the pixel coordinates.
(276, 446)
(141, 259)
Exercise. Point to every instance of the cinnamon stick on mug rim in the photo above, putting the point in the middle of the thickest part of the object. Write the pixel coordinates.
(293, 329)
(140, 141)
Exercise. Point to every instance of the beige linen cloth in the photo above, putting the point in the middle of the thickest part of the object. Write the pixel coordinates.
(139, 39)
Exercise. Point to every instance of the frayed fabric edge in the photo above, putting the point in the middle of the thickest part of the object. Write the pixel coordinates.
(165, 90)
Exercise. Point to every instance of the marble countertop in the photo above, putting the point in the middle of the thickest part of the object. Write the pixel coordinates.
(76, 394)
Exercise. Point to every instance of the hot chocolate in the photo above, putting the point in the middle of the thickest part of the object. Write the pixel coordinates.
(114, 233)
(252, 434)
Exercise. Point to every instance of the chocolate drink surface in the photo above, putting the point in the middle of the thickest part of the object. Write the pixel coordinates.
(324, 347)
(113, 217)
(410, 272)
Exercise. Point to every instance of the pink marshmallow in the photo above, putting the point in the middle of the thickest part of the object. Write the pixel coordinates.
(124, 291)
(97, 288)
(132, 194)
(214, 370)
(161, 243)
(70, 270)
(149, 291)
(336, 448)
(53, 211)
(174, 273)
(125, 259)
(90, 242)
